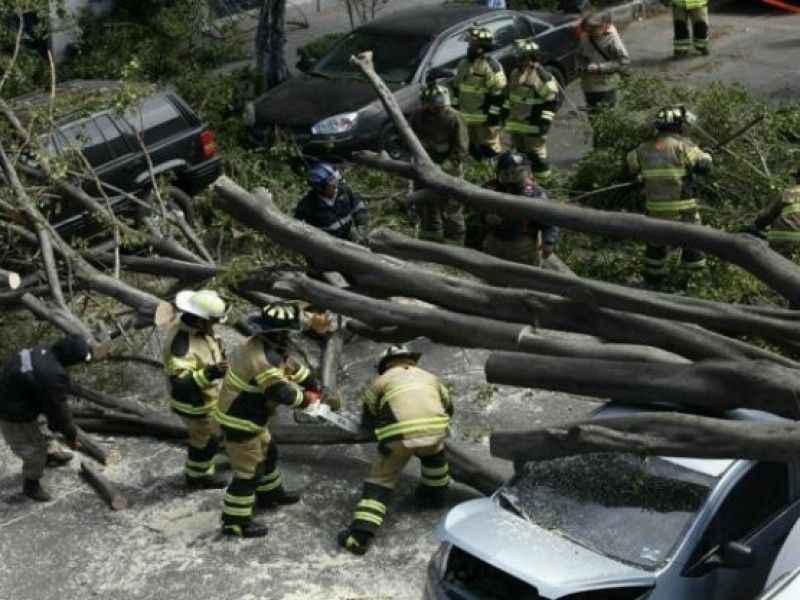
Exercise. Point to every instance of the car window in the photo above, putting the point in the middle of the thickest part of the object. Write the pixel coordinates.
(117, 144)
(505, 31)
(757, 496)
(535, 27)
(86, 137)
(156, 119)
(648, 504)
(450, 52)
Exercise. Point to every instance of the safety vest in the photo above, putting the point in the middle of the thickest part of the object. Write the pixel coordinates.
(408, 402)
(186, 354)
(260, 378)
(531, 99)
(665, 164)
(476, 82)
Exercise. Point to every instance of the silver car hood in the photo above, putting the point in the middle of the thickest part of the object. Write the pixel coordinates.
(551, 563)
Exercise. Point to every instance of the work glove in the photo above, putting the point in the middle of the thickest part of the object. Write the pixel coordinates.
(73, 443)
(320, 322)
(212, 372)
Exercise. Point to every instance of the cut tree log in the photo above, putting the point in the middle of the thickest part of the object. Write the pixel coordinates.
(654, 434)
(107, 401)
(90, 447)
(103, 487)
(715, 386)
(10, 279)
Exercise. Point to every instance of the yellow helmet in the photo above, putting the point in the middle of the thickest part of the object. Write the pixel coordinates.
(527, 48)
(480, 36)
(206, 304)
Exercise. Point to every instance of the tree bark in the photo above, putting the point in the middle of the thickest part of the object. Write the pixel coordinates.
(271, 43)
(466, 469)
(715, 386)
(107, 401)
(90, 447)
(654, 434)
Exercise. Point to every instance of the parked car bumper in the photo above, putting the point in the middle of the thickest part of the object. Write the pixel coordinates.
(342, 145)
(200, 176)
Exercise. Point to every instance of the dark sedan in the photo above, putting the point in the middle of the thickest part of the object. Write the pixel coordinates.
(333, 110)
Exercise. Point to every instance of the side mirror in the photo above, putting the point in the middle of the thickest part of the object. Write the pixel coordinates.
(305, 63)
(733, 555)
(440, 73)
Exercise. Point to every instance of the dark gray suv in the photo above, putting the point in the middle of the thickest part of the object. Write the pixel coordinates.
(159, 136)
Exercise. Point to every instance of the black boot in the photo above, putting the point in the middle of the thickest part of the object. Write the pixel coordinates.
(354, 541)
(209, 482)
(59, 458)
(33, 489)
(250, 529)
(276, 497)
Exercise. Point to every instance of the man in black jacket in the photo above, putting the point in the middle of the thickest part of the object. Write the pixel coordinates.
(35, 382)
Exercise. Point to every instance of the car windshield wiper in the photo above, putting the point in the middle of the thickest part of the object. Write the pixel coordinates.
(509, 500)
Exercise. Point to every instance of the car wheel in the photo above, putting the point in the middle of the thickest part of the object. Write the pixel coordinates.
(559, 75)
(393, 144)
(177, 199)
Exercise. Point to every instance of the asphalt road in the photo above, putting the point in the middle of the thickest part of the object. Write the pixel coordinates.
(166, 544)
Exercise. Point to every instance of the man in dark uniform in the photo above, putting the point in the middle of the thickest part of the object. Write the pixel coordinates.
(35, 382)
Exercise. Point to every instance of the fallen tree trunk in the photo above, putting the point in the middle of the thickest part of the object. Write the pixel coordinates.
(465, 469)
(107, 401)
(726, 318)
(654, 434)
(90, 447)
(103, 487)
(715, 386)
(10, 279)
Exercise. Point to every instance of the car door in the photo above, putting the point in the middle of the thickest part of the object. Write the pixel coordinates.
(758, 511)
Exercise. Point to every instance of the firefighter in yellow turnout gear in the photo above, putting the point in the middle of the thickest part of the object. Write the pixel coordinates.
(781, 218)
(480, 85)
(194, 363)
(530, 108)
(410, 412)
(666, 164)
(683, 13)
(261, 376)
(444, 134)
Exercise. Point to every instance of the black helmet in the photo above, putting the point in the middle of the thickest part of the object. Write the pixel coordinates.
(72, 350)
(396, 351)
(480, 37)
(511, 167)
(527, 48)
(275, 316)
(436, 94)
(671, 117)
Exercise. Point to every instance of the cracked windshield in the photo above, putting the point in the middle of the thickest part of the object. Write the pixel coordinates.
(646, 503)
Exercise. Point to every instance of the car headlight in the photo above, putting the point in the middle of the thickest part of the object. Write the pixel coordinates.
(336, 124)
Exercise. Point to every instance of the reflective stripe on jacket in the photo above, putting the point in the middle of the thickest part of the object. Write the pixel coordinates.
(531, 101)
(690, 4)
(260, 377)
(187, 352)
(408, 402)
(479, 89)
(666, 163)
(782, 217)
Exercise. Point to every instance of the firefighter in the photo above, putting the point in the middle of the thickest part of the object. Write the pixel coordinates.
(480, 85)
(781, 218)
(684, 11)
(194, 363)
(261, 376)
(35, 382)
(330, 205)
(410, 411)
(666, 165)
(443, 132)
(602, 60)
(519, 240)
(530, 108)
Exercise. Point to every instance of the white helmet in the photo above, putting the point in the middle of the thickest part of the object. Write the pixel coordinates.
(205, 304)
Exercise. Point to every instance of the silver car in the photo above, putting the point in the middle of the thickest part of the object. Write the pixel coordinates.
(619, 527)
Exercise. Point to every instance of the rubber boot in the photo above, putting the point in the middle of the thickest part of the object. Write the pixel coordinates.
(58, 458)
(277, 497)
(33, 489)
(209, 482)
(250, 529)
(354, 541)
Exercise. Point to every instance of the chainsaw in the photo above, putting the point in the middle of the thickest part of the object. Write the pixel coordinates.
(321, 411)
